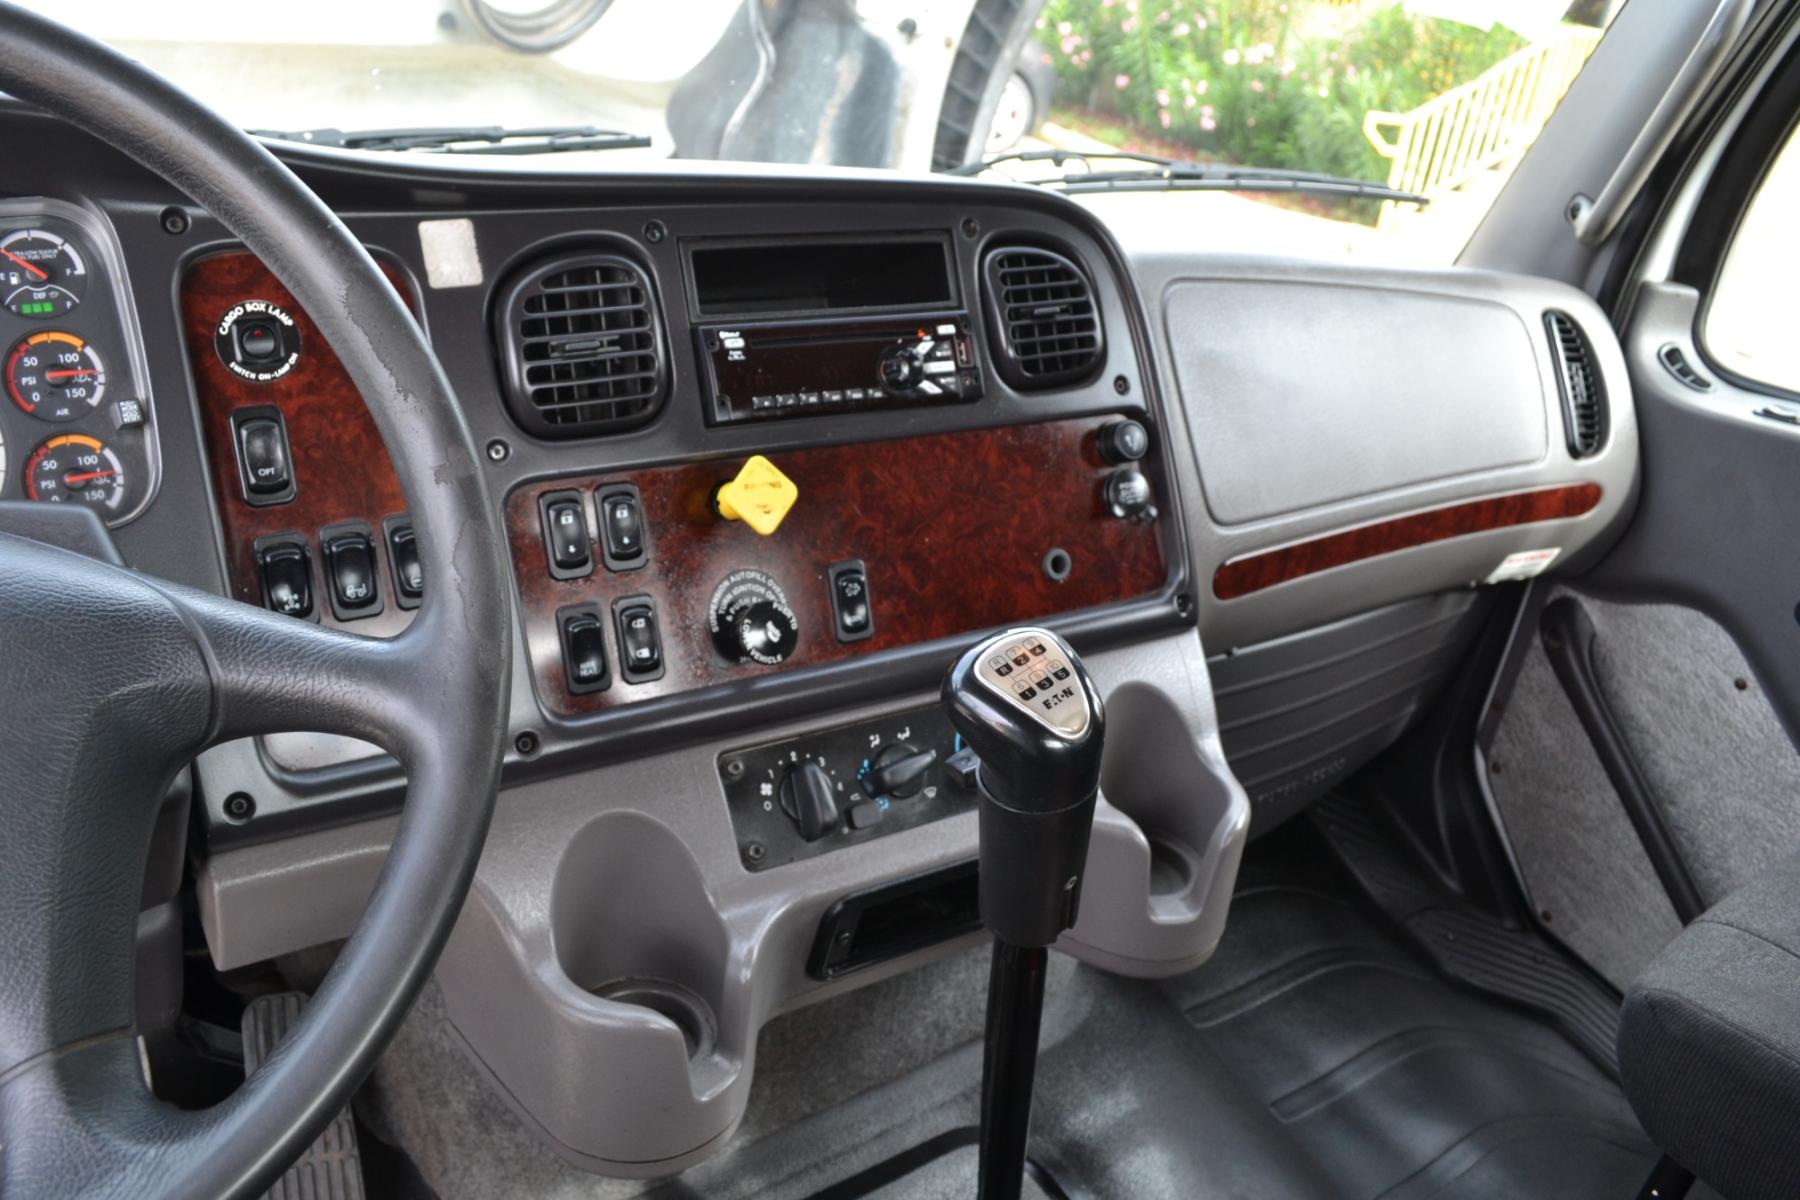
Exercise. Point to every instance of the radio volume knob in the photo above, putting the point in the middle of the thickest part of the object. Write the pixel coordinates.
(900, 368)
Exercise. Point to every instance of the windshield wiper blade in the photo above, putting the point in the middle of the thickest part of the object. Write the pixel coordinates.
(467, 139)
(1169, 174)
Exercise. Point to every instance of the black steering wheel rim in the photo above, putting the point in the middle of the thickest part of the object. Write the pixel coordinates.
(81, 778)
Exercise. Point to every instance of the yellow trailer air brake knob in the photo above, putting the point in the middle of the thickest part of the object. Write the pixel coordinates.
(760, 496)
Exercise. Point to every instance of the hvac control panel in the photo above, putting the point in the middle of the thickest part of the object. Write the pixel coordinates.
(801, 797)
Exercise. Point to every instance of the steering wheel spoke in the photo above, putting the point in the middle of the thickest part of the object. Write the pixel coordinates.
(277, 674)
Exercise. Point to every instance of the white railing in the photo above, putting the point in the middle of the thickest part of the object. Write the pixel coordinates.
(1449, 140)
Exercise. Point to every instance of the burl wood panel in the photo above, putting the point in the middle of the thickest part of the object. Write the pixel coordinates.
(341, 469)
(1242, 576)
(953, 528)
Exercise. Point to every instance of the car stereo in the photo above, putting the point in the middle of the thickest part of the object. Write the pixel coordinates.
(804, 368)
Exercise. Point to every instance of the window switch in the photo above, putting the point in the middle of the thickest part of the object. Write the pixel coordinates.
(409, 572)
(640, 642)
(350, 565)
(584, 651)
(566, 535)
(287, 579)
(850, 609)
(621, 528)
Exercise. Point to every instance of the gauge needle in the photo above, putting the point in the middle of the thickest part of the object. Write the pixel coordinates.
(87, 477)
(70, 374)
(38, 271)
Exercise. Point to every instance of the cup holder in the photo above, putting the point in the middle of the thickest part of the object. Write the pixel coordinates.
(1173, 865)
(692, 1015)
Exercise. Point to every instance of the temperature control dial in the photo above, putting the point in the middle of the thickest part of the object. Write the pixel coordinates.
(750, 620)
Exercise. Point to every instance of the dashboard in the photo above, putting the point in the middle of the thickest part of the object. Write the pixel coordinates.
(948, 386)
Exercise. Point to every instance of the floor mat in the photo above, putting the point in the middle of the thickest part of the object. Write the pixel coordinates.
(1317, 1056)
(1396, 1081)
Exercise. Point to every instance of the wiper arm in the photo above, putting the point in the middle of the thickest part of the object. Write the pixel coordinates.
(467, 139)
(1170, 174)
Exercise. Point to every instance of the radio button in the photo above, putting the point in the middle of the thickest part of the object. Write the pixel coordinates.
(856, 394)
(758, 403)
(787, 400)
(833, 397)
(809, 397)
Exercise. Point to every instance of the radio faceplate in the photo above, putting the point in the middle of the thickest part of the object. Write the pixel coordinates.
(804, 368)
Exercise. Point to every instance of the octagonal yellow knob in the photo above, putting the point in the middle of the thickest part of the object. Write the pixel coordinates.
(760, 496)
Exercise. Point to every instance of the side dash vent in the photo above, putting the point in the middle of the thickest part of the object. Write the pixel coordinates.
(1045, 322)
(1578, 379)
(581, 347)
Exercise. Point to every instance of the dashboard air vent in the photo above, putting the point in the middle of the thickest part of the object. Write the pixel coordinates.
(582, 347)
(1045, 323)
(1578, 379)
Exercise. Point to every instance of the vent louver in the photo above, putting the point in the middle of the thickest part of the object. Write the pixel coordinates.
(582, 347)
(1578, 380)
(1045, 323)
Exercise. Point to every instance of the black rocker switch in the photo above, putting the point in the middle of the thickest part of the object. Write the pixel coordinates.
(350, 565)
(409, 572)
(640, 646)
(622, 525)
(263, 455)
(565, 531)
(287, 579)
(850, 610)
(584, 651)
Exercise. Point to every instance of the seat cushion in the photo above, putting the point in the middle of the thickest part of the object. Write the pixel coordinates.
(1709, 1042)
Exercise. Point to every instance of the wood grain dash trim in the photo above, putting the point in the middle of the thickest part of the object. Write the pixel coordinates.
(1252, 573)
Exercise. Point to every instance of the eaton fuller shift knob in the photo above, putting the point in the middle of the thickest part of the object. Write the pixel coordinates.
(1025, 706)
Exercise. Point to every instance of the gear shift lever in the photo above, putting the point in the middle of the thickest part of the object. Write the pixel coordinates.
(1025, 706)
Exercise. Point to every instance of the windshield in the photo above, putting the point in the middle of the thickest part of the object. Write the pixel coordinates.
(1433, 98)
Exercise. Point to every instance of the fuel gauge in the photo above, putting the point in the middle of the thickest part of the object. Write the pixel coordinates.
(41, 274)
(75, 468)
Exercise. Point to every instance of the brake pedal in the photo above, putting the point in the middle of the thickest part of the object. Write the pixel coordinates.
(331, 1168)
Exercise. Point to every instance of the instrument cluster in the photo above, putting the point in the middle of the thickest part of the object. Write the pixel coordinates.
(75, 423)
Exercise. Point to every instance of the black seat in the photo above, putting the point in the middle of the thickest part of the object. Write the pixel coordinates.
(1709, 1042)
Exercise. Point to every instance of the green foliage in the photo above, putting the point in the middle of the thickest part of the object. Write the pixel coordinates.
(1281, 83)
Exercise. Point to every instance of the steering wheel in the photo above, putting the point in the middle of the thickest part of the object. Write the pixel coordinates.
(86, 756)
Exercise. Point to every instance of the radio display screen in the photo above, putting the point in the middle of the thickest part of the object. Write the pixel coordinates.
(820, 275)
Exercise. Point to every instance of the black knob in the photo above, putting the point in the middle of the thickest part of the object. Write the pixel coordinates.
(806, 797)
(900, 368)
(1123, 441)
(898, 771)
(1128, 494)
(761, 631)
